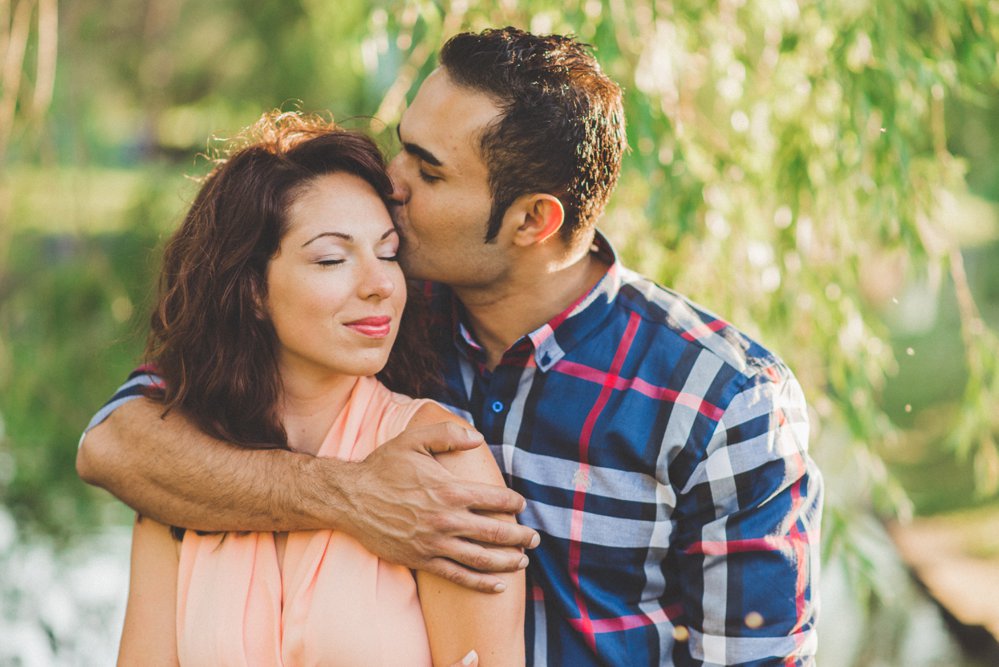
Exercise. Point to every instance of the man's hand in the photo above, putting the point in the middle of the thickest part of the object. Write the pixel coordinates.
(408, 509)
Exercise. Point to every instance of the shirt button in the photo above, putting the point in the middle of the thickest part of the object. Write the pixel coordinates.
(497, 407)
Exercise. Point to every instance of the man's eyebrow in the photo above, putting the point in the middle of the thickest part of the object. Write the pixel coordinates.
(418, 151)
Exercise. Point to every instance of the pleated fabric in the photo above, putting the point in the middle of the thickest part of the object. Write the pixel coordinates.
(331, 602)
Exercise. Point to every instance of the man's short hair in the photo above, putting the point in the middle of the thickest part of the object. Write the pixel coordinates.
(561, 128)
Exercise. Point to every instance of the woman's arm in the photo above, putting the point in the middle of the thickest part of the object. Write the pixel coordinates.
(149, 636)
(459, 619)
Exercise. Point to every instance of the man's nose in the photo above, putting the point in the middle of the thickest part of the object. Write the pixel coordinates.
(400, 192)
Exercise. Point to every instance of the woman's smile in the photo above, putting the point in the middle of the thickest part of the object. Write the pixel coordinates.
(372, 327)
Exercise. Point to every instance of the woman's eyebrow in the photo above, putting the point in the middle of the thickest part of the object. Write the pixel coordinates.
(345, 237)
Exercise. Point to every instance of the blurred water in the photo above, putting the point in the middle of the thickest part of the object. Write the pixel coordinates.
(61, 607)
(905, 629)
(64, 608)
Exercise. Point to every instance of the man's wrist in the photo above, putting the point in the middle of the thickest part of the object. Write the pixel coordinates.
(324, 491)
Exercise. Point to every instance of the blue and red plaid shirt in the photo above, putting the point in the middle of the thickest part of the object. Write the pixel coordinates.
(663, 456)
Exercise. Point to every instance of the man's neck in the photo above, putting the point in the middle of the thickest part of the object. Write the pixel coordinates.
(503, 313)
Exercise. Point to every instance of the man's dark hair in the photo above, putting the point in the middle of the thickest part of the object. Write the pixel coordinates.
(561, 128)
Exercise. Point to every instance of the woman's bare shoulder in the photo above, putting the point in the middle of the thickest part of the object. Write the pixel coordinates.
(432, 412)
(475, 464)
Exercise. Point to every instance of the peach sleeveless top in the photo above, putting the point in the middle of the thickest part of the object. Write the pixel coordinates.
(331, 602)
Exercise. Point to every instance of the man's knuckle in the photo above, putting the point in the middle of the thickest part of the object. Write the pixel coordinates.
(445, 523)
(454, 575)
(482, 561)
(439, 568)
(423, 545)
(497, 533)
(452, 496)
(508, 500)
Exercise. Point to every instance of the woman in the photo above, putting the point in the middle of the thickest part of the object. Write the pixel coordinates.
(280, 299)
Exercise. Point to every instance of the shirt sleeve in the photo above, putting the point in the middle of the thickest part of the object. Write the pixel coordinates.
(748, 529)
(139, 380)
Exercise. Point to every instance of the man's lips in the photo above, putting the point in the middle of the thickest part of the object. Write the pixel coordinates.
(373, 327)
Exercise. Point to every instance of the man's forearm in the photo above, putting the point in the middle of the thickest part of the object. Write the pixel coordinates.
(399, 502)
(169, 470)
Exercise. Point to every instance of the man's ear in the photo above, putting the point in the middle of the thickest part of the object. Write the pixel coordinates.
(540, 216)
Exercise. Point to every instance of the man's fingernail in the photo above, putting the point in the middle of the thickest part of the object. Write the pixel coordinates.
(470, 658)
(499, 588)
(535, 541)
(524, 560)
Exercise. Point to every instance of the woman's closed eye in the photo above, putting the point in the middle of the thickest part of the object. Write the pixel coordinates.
(387, 256)
(388, 248)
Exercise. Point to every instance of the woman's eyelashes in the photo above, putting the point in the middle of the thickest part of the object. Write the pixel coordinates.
(388, 255)
(388, 249)
(428, 178)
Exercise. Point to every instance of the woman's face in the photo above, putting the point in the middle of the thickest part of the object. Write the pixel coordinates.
(335, 292)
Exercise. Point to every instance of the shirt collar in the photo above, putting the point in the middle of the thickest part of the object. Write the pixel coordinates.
(555, 338)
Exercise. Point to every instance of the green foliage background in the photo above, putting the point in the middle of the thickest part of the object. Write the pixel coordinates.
(801, 167)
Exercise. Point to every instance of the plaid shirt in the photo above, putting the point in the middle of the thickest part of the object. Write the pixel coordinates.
(663, 455)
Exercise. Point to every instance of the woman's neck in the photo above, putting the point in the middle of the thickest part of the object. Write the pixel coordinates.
(308, 406)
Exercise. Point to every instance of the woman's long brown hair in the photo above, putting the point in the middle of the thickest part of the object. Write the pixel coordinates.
(210, 339)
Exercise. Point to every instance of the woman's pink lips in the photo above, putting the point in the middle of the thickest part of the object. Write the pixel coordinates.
(373, 327)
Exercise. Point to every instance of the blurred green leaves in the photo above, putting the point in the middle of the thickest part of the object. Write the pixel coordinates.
(788, 168)
(72, 317)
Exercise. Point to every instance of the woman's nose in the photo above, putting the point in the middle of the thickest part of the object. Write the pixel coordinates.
(377, 281)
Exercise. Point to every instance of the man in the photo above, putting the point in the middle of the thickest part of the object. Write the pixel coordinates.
(662, 454)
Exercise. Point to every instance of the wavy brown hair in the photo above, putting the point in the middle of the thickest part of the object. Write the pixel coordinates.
(209, 340)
